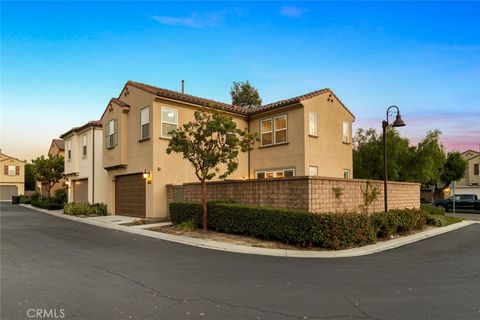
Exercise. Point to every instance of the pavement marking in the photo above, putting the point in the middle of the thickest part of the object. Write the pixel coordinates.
(223, 246)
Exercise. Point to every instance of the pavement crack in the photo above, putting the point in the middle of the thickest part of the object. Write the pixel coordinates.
(356, 305)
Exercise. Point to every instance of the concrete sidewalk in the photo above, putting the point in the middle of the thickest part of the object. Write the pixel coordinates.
(224, 246)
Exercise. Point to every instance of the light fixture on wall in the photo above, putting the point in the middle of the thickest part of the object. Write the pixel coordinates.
(147, 176)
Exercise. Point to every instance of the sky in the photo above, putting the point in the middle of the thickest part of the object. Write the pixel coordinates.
(61, 62)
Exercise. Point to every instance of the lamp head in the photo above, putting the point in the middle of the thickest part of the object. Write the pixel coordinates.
(398, 121)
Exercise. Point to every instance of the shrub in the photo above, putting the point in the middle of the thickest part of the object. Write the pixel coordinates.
(25, 200)
(393, 222)
(85, 209)
(441, 221)
(44, 204)
(429, 209)
(35, 196)
(188, 225)
(329, 231)
(60, 196)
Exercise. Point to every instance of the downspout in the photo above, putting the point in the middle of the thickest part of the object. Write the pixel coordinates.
(93, 166)
(248, 152)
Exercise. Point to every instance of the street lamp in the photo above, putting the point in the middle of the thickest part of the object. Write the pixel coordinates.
(397, 123)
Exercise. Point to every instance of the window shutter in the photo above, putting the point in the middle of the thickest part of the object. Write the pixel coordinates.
(115, 135)
(105, 131)
(5, 170)
(17, 170)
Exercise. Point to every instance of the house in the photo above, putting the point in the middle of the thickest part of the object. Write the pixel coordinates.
(85, 177)
(308, 135)
(57, 149)
(12, 177)
(470, 183)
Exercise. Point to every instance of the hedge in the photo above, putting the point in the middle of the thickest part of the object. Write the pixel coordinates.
(429, 209)
(45, 205)
(85, 209)
(330, 231)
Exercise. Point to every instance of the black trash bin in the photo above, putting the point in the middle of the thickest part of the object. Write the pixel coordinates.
(15, 199)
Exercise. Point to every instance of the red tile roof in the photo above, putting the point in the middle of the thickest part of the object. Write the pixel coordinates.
(89, 124)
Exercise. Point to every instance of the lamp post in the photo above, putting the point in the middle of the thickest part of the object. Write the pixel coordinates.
(397, 123)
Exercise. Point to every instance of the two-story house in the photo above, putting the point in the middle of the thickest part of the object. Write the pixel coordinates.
(85, 177)
(12, 177)
(304, 135)
(56, 149)
(470, 183)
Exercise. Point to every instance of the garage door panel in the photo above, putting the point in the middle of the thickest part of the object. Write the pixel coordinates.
(7, 192)
(80, 190)
(130, 195)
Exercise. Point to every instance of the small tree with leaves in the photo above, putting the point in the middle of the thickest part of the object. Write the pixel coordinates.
(245, 95)
(211, 144)
(49, 171)
(454, 168)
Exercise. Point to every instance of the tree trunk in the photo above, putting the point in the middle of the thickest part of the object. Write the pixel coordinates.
(49, 194)
(204, 205)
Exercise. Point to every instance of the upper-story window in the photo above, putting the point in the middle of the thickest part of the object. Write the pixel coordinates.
(145, 123)
(69, 150)
(313, 171)
(476, 168)
(312, 124)
(273, 130)
(111, 134)
(84, 145)
(346, 132)
(346, 173)
(169, 121)
(271, 174)
(11, 170)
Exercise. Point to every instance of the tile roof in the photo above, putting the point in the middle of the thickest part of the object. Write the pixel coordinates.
(160, 92)
(119, 102)
(89, 124)
(60, 143)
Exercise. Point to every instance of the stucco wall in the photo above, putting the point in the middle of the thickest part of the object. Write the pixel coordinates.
(308, 193)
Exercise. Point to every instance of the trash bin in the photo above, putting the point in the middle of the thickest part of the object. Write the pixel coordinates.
(15, 199)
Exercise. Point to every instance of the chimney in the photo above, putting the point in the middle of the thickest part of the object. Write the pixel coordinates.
(183, 86)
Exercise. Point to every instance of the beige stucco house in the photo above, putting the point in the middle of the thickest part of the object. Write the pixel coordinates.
(84, 173)
(470, 183)
(308, 135)
(12, 177)
(56, 149)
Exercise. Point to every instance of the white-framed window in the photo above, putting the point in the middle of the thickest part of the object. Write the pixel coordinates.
(169, 121)
(346, 132)
(84, 145)
(312, 123)
(346, 173)
(313, 171)
(271, 174)
(145, 123)
(273, 130)
(69, 150)
(12, 170)
(111, 134)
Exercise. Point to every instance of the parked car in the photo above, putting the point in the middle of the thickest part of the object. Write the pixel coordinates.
(462, 202)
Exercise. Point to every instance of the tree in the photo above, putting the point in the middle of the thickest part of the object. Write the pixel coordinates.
(454, 169)
(245, 95)
(49, 171)
(29, 176)
(211, 143)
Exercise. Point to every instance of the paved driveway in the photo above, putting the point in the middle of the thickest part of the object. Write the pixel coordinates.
(88, 272)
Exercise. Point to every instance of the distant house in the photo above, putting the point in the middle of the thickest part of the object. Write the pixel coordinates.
(12, 177)
(307, 135)
(85, 177)
(57, 149)
(470, 183)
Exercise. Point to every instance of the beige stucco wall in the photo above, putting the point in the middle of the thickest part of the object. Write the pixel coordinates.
(17, 180)
(282, 156)
(469, 178)
(327, 151)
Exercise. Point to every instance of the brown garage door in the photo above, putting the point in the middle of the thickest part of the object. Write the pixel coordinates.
(6, 192)
(80, 190)
(130, 195)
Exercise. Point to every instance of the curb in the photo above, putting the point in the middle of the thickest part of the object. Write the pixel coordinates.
(223, 246)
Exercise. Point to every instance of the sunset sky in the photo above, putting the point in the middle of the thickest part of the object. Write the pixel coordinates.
(62, 62)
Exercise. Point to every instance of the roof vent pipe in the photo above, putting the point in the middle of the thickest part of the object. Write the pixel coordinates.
(183, 86)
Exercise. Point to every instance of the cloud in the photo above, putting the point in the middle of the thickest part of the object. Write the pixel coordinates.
(194, 20)
(291, 11)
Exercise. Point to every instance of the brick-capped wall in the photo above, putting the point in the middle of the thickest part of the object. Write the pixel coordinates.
(308, 193)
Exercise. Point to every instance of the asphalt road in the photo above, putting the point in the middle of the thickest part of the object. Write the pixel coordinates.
(86, 272)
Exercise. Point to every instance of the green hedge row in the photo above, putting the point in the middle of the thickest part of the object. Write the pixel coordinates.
(43, 204)
(85, 209)
(429, 209)
(330, 231)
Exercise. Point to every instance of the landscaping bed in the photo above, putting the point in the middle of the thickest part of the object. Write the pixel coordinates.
(303, 229)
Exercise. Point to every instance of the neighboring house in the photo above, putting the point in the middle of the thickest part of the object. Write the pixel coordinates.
(306, 135)
(12, 177)
(470, 183)
(57, 149)
(85, 177)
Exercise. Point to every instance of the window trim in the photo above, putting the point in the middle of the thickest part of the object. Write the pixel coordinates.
(143, 124)
(348, 173)
(109, 134)
(347, 140)
(14, 171)
(84, 145)
(309, 167)
(162, 121)
(274, 130)
(315, 133)
(69, 150)
(274, 172)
